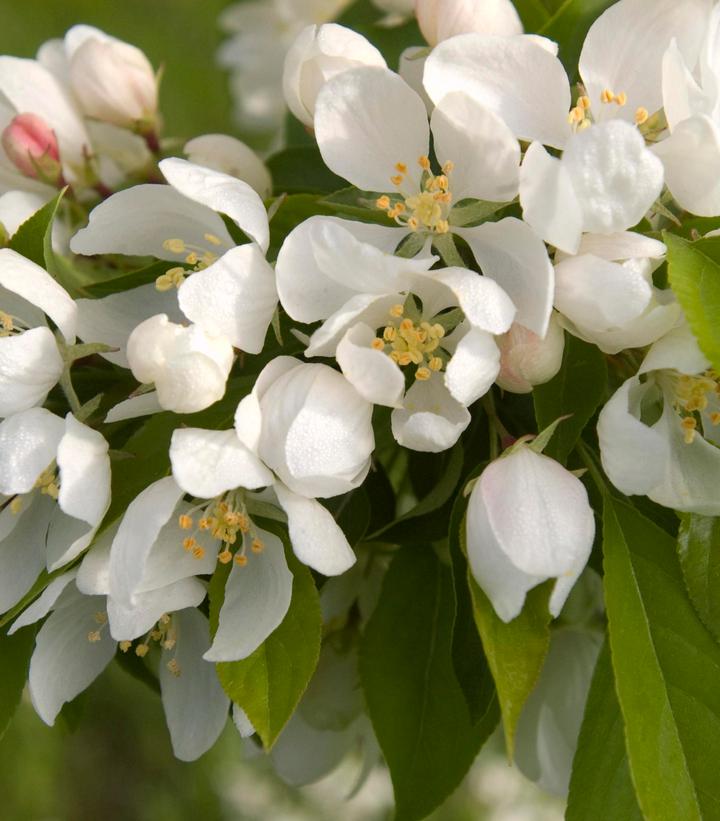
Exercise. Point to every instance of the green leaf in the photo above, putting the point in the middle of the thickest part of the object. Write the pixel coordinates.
(15, 652)
(601, 787)
(423, 519)
(667, 671)
(694, 273)
(414, 699)
(515, 651)
(699, 552)
(128, 279)
(33, 239)
(301, 170)
(473, 212)
(269, 683)
(353, 203)
(576, 391)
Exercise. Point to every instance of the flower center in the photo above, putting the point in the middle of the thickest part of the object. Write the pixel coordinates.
(10, 324)
(580, 116)
(697, 400)
(425, 210)
(226, 519)
(409, 343)
(197, 256)
(164, 634)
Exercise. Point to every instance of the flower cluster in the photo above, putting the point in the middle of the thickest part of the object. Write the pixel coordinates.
(225, 408)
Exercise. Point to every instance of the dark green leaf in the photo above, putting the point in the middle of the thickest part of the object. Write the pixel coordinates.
(694, 272)
(667, 671)
(576, 390)
(601, 787)
(33, 239)
(515, 651)
(352, 203)
(699, 551)
(269, 683)
(415, 703)
(352, 513)
(15, 652)
(301, 170)
(128, 279)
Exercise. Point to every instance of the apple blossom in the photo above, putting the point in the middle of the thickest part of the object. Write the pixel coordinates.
(528, 520)
(659, 432)
(526, 359)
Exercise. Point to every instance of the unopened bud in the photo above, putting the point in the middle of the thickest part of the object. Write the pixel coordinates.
(32, 147)
(441, 19)
(527, 360)
(115, 83)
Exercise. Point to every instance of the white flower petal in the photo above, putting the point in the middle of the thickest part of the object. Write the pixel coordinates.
(550, 206)
(624, 48)
(312, 287)
(678, 351)
(430, 420)
(93, 576)
(129, 623)
(138, 220)
(44, 603)
(483, 149)
(231, 156)
(682, 96)
(30, 365)
(621, 246)
(367, 120)
(257, 597)
(615, 177)
(485, 304)
(633, 455)
(195, 705)
(538, 511)
(235, 297)
(66, 539)
(82, 457)
(518, 79)
(441, 19)
(597, 295)
(65, 661)
(222, 193)
(31, 282)
(316, 538)
(373, 374)
(691, 158)
(206, 463)
(113, 318)
(510, 253)
(145, 517)
(473, 368)
(28, 444)
(134, 407)
(22, 552)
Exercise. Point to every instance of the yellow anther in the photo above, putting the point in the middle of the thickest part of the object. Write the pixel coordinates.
(168, 644)
(389, 334)
(176, 246)
(192, 258)
(141, 650)
(442, 227)
(413, 224)
(198, 552)
(689, 426)
(435, 363)
(438, 330)
(621, 98)
(715, 418)
(163, 283)
(6, 322)
(448, 168)
(583, 125)
(422, 374)
(204, 523)
(377, 345)
(189, 543)
(156, 635)
(173, 667)
(94, 636)
(424, 163)
(185, 521)
(125, 646)
(401, 167)
(16, 505)
(641, 116)
(240, 560)
(383, 202)
(397, 179)
(100, 618)
(407, 325)
(257, 545)
(404, 358)
(225, 556)
(584, 102)
(397, 311)
(164, 619)
(607, 96)
(212, 239)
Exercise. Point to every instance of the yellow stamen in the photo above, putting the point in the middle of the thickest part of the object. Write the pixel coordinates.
(125, 646)
(377, 345)
(142, 650)
(212, 239)
(422, 374)
(641, 116)
(185, 521)
(176, 246)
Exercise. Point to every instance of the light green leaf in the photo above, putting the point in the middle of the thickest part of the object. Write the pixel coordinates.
(515, 651)
(269, 683)
(414, 699)
(15, 652)
(601, 787)
(352, 203)
(576, 391)
(699, 552)
(667, 671)
(694, 274)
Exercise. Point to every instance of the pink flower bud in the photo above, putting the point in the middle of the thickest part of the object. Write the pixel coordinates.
(32, 147)
(526, 360)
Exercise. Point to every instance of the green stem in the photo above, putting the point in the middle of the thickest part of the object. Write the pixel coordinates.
(589, 459)
(497, 429)
(69, 391)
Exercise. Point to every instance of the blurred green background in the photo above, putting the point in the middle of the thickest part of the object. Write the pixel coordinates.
(109, 757)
